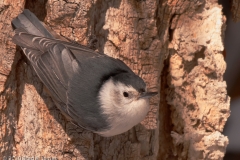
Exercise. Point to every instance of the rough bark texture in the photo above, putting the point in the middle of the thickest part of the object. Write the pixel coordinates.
(197, 93)
(175, 46)
(235, 9)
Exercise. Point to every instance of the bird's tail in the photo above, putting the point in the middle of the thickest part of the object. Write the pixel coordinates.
(31, 24)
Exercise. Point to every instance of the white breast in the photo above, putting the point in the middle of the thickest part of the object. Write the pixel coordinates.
(121, 117)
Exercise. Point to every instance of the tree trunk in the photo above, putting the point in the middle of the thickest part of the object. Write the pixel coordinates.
(235, 9)
(175, 46)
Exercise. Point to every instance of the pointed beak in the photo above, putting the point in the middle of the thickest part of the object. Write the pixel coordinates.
(147, 94)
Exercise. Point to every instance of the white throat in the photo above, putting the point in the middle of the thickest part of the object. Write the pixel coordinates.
(121, 116)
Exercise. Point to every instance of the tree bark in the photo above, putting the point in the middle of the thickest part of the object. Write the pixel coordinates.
(235, 9)
(175, 46)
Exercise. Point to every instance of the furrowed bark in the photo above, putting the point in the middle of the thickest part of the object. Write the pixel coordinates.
(175, 46)
(197, 93)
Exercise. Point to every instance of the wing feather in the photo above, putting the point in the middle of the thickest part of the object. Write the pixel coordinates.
(73, 74)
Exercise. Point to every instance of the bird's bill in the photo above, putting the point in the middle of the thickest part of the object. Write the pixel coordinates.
(147, 94)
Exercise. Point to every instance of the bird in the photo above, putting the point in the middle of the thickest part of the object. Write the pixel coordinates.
(91, 89)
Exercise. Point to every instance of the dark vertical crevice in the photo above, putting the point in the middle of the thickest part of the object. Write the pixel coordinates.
(165, 123)
(226, 6)
(37, 7)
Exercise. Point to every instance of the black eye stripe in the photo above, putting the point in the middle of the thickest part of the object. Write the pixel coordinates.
(125, 94)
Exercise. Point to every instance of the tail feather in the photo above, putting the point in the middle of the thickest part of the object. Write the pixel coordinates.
(29, 22)
(26, 40)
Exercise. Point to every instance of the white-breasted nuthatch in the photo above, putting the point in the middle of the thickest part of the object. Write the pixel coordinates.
(93, 90)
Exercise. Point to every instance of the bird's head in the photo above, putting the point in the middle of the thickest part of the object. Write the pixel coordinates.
(125, 101)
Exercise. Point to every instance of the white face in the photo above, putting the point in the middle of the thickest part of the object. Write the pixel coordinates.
(123, 107)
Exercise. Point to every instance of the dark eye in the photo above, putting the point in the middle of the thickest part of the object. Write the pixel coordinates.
(142, 90)
(125, 94)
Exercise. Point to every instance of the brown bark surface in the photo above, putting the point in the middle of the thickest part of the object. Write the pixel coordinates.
(175, 46)
(235, 9)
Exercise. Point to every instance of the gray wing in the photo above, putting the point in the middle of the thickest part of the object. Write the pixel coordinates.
(84, 87)
(73, 75)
